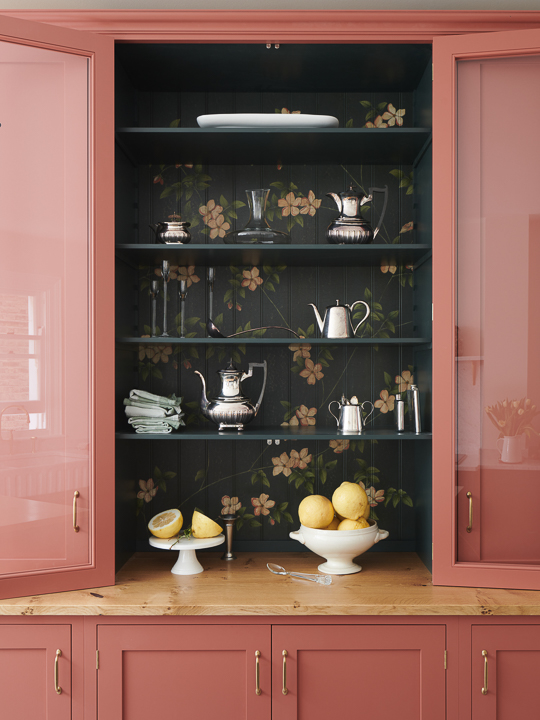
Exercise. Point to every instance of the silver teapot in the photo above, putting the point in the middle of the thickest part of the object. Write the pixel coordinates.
(337, 322)
(172, 233)
(350, 228)
(231, 409)
(351, 418)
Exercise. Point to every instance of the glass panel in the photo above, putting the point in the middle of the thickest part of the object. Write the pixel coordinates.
(498, 302)
(45, 428)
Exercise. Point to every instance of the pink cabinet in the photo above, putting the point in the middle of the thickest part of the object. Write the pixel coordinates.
(200, 671)
(383, 671)
(486, 331)
(505, 666)
(56, 332)
(35, 671)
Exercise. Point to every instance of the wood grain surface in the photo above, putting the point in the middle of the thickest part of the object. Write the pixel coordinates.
(389, 584)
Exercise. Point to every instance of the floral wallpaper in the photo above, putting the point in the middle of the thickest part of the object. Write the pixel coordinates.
(263, 484)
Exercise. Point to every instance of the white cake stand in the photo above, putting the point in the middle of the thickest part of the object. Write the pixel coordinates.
(187, 563)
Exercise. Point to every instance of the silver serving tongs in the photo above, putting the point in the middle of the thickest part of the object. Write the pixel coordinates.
(278, 570)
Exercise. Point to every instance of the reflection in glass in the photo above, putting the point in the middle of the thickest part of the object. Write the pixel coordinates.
(498, 300)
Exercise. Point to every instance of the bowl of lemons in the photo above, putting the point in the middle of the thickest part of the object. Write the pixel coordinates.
(338, 530)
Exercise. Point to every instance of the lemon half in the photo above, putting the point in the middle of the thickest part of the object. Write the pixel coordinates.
(166, 524)
(204, 527)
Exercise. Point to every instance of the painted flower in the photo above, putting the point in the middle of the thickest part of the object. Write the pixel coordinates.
(282, 464)
(162, 353)
(147, 491)
(188, 274)
(393, 116)
(173, 272)
(230, 505)
(158, 179)
(407, 227)
(186, 364)
(301, 459)
(309, 205)
(181, 165)
(262, 504)
(312, 372)
(377, 123)
(388, 268)
(306, 416)
(146, 352)
(374, 496)
(251, 279)
(404, 381)
(284, 111)
(289, 205)
(210, 211)
(386, 403)
(219, 226)
(339, 445)
(300, 350)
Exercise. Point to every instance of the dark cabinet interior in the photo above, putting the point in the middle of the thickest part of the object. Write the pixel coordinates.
(167, 166)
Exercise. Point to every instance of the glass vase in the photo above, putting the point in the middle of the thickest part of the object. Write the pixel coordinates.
(257, 229)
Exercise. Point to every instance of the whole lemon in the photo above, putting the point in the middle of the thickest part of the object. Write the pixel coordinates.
(353, 524)
(315, 511)
(334, 524)
(350, 501)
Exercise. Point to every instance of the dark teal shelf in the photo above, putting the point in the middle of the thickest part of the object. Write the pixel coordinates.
(269, 341)
(270, 146)
(323, 255)
(274, 433)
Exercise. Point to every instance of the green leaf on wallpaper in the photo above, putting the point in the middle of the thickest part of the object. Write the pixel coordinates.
(228, 296)
(390, 325)
(156, 373)
(299, 219)
(410, 190)
(157, 474)
(192, 405)
(175, 123)
(232, 214)
(276, 515)
(200, 475)
(193, 352)
(236, 356)
(322, 362)
(309, 487)
(371, 470)
(374, 515)
(388, 379)
(365, 103)
(288, 517)
(144, 284)
(382, 105)
(370, 114)
(323, 476)
(255, 523)
(349, 123)
(270, 286)
(331, 465)
(406, 500)
(411, 281)
(393, 314)
(397, 173)
(242, 292)
(209, 352)
(169, 474)
(367, 294)
(376, 306)
(166, 192)
(405, 182)
(238, 204)
(361, 462)
(286, 404)
(395, 499)
(295, 369)
(242, 348)
(270, 213)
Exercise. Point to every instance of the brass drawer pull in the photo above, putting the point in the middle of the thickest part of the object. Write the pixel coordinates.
(469, 526)
(485, 688)
(75, 496)
(284, 690)
(258, 690)
(57, 687)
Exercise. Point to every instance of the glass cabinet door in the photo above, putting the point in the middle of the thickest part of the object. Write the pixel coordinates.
(47, 313)
(495, 382)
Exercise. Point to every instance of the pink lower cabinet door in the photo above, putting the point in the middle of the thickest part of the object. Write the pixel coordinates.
(505, 668)
(35, 672)
(184, 671)
(379, 671)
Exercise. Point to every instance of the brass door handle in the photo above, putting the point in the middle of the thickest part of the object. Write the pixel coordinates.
(57, 687)
(75, 496)
(258, 690)
(485, 688)
(284, 690)
(469, 526)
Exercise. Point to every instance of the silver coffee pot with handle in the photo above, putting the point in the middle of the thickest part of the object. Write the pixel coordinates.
(351, 414)
(337, 321)
(231, 409)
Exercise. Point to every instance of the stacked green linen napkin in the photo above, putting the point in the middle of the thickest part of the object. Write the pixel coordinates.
(148, 413)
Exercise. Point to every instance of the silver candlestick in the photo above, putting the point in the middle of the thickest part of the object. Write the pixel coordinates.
(211, 277)
(229, 521)
(165, 271)
(154, 292)
(183, 296)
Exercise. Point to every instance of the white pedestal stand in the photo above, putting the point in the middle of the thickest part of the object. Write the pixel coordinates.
(187, 563)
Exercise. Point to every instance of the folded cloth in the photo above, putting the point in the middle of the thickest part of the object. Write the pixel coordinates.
(151, 399)
(174, 421)
(147, 404)
(149, 412)
(153, 429)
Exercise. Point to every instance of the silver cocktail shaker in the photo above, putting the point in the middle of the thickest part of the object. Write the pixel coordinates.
(399, 413)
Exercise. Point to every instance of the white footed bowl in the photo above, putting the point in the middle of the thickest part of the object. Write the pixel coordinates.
(339, 547)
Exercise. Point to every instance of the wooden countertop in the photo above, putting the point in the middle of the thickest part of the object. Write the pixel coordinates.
(389, 584)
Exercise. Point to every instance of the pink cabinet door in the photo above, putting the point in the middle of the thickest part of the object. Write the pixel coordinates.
(510, 655)
(32, 671)
(486, 334)
(56, 331)
(384, 672)
(198, 671)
